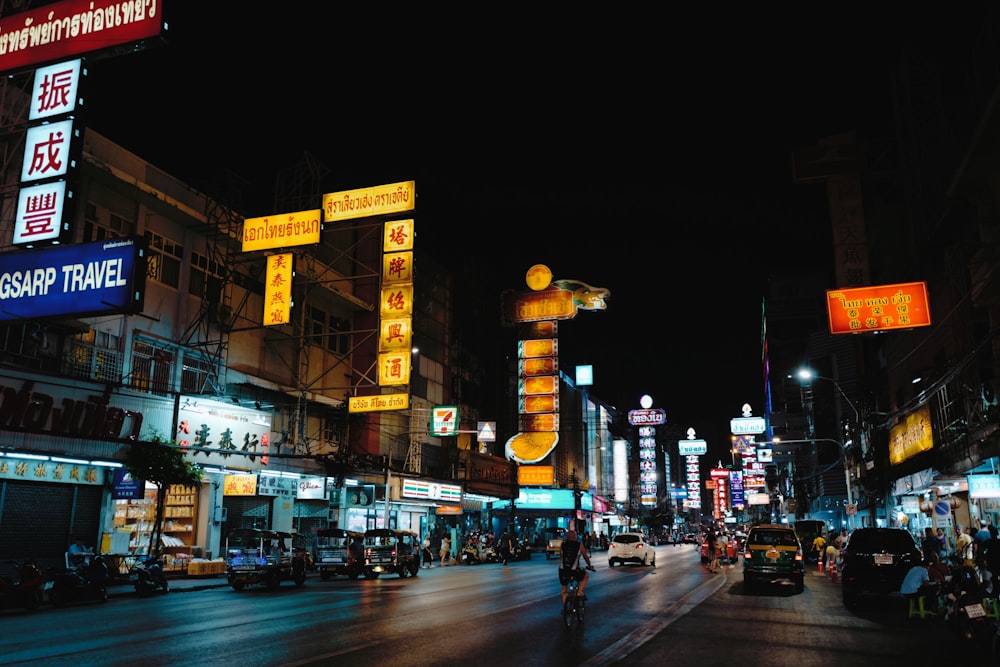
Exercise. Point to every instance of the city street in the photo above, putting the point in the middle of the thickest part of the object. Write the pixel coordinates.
(484, 615)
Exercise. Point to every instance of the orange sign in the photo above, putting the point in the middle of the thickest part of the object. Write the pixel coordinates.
(539, 366)
(539, 404)
(549, 304)
(366, 202)
(542, 422)
(536, 475)
(537, 348)
(879, 308)
(543, 384)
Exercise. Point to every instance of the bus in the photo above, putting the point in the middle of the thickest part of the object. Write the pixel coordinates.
(808, 530)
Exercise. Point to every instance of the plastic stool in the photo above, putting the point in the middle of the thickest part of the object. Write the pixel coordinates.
(918, 606)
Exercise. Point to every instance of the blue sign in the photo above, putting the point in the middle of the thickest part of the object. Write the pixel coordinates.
(105, 277)
(127, 486)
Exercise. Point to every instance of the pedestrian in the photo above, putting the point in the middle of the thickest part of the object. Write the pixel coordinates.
(712, 550)
(722, 548)
(944, 551)
(989, 562)
(963, 546)
(841, 540)
(980, 537)
(445, 551)
(819, 547)
(428, 557)
(506, 546)
(930, 544)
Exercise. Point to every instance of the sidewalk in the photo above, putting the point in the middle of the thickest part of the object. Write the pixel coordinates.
(122, 587)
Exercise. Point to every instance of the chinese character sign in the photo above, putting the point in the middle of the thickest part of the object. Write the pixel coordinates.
(278, 290)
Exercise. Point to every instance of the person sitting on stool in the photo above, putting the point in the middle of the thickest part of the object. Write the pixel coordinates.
(79, 554)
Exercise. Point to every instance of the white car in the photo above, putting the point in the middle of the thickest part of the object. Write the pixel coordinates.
(631, 548)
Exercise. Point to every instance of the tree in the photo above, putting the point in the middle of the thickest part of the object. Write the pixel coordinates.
(161, 463)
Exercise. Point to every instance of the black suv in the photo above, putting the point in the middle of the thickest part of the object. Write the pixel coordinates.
(875, 562)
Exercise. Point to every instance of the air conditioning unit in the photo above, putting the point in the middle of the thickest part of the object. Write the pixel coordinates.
(988, 392)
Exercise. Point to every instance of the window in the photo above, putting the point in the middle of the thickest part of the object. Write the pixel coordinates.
(206, 278)
(152, 367)
(115, 227)
(198, 375)
(339, 341)
(163, 263)
(95, 355)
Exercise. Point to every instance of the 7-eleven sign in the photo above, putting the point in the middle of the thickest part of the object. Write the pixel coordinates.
(444, 420)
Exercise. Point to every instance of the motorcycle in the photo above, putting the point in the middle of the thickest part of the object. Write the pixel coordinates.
(470, 554)
(84, 583)
(26, 589)
(147, 576)
(963, 600)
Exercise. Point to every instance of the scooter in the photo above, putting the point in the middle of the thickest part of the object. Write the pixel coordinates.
(964, 610)
(85, 583)
(24, 591)
(147, 576)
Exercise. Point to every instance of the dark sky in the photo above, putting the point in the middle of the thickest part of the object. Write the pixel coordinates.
(646, 152)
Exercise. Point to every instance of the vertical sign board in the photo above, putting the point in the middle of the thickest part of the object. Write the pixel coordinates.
(44, 209)
(396, 310)
(278, 290)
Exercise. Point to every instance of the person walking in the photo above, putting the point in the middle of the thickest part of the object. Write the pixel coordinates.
(445, 550)
(712, 550)
(722, 549)
(963, 546)
(426, 555)
(930, 544)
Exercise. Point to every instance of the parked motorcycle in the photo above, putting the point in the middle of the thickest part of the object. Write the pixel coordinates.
(85, 583)
(25, 589)
(964, 612)
(148, 577)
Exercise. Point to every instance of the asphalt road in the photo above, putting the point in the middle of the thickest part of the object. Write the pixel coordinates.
(778, 627)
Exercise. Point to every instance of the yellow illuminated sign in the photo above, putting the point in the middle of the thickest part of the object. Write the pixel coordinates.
(365, 202)
(396, 301)
(239, 485)
(397, 267)
(281, 231)
(393, 368)
(398, 235)
(278, 290)
(911, 437)
(395, 335)
(378, 403)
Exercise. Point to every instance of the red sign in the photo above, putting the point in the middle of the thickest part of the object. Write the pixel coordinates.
(63, 29)
(647, 417)
(879, 308)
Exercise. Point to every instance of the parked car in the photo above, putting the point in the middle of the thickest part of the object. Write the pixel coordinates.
(631, 548)
(733, 549)
(773, 554)
(875, 562)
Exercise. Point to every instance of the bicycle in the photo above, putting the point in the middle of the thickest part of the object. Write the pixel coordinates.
(574, 606)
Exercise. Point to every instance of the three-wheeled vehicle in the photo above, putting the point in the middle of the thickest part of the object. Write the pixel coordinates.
(391, 552)
(256, 556)
(332, 553)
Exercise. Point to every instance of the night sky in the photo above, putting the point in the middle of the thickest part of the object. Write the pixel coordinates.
(645, 153)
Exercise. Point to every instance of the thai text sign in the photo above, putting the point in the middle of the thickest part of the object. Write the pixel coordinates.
(281, 231)
(378, 403)
(366, 202)
(72, 27)
(879, 308)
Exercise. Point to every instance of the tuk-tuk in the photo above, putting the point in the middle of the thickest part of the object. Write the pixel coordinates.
(332, 553)
(256, 556)
(391, 552)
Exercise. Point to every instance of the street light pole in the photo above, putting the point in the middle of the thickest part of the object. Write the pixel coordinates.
(807, 375)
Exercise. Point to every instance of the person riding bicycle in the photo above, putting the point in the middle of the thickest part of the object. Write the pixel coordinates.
(572, 550)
